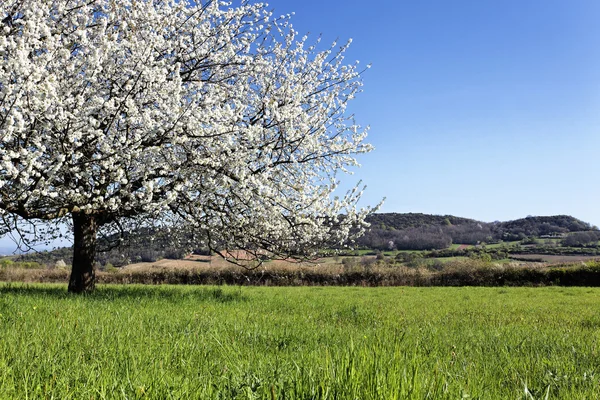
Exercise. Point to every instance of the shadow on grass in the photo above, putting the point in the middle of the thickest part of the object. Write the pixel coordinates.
(201, 261)
(131, 292)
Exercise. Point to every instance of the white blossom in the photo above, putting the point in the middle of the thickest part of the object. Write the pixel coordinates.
(222, 120)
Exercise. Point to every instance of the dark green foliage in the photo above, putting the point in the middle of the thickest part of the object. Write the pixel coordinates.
(540, 226)
(512, 251)
(427, 232)
(400, 221)
(586, 275)
(421, 238)
(553, 250)
(201, 251)
(174, 253)
(9, 263)
(582, 239)
(48, 257)
(149, 256)
(117, 259)
(410, 258)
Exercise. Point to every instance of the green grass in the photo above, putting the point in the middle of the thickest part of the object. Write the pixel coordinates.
(446, 260)
(498, 245)
(299, 343)
(455, 246)
(551, 240)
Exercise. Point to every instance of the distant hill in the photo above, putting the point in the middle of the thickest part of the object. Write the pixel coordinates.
(530, 226)
(541, 226)
(400, 221)
(415, 231)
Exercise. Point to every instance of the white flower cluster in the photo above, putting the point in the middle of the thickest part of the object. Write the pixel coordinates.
(217, 116)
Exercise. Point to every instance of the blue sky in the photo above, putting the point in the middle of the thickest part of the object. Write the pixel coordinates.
(481, 109)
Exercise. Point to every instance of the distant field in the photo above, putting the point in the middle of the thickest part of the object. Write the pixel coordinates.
(447, 260)
(458, 246)
(555, 259)
(502, 244)
(290, 343)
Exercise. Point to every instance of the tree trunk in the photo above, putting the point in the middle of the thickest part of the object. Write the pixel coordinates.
(83, 278)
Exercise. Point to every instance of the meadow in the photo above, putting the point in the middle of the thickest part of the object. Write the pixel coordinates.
(225, 342)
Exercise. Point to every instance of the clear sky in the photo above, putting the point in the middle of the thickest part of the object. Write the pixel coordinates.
(480, 109)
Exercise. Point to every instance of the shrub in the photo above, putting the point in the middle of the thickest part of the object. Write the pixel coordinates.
(367, 262)
(110, 268)
(435, 265)
(149, 256)
(201, 252)
(481, 256)
(30, 265)
(174, 254)
(349, 263)
(118, 261)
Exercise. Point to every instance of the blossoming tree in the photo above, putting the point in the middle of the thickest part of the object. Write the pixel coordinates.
(218, 119)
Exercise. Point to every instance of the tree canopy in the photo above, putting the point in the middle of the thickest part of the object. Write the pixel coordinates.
(201, 115)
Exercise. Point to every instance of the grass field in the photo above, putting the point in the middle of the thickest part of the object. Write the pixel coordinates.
(456, 246)
(555, 259)
(299, 343)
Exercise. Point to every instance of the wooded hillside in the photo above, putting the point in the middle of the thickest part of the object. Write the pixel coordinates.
(414, 231)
